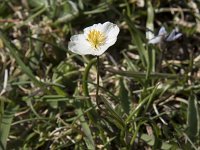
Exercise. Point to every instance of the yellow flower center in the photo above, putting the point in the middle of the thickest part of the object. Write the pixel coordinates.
(96, 38)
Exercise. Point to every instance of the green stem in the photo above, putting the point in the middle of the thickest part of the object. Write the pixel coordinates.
(97, 87)
(85, 77)
(92, 114)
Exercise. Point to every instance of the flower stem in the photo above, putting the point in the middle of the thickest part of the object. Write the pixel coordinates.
(91, 114)
(85, 77)
(97, 86)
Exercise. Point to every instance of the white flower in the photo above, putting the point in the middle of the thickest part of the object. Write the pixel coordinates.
(95, 40)
(164, 36)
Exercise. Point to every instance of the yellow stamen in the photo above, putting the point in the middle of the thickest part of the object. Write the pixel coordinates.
(96, 38)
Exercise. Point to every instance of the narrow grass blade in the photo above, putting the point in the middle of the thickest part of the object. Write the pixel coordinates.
(5, 124)
(117, 119)
(138, 108)
(193, 118)
(130, 64)
(151, 98)
(142, 74)
(85, 77)
(15, 54)
(150, 35)
(41, 9)
(86, 129)
(150, 20)
(123, 96)
(50, 43)
(136, 37)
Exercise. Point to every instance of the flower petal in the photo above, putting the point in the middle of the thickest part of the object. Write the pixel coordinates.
(162, 31)
(173, 36)
(111, 31)
(95, 26)
(155, 40)
(83, 45)
(79, 45)
(102, 49)
(109, 27)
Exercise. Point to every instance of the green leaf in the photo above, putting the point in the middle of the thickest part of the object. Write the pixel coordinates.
(5, 124)
(116, 118)
(142, 74)
(123, 96)
(37, 3)
(193, 118)
(151, 141)
(131, 65)
(86, 129)
(149, 35)
(136, 38)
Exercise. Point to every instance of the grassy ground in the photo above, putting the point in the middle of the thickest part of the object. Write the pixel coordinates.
(149, 94)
